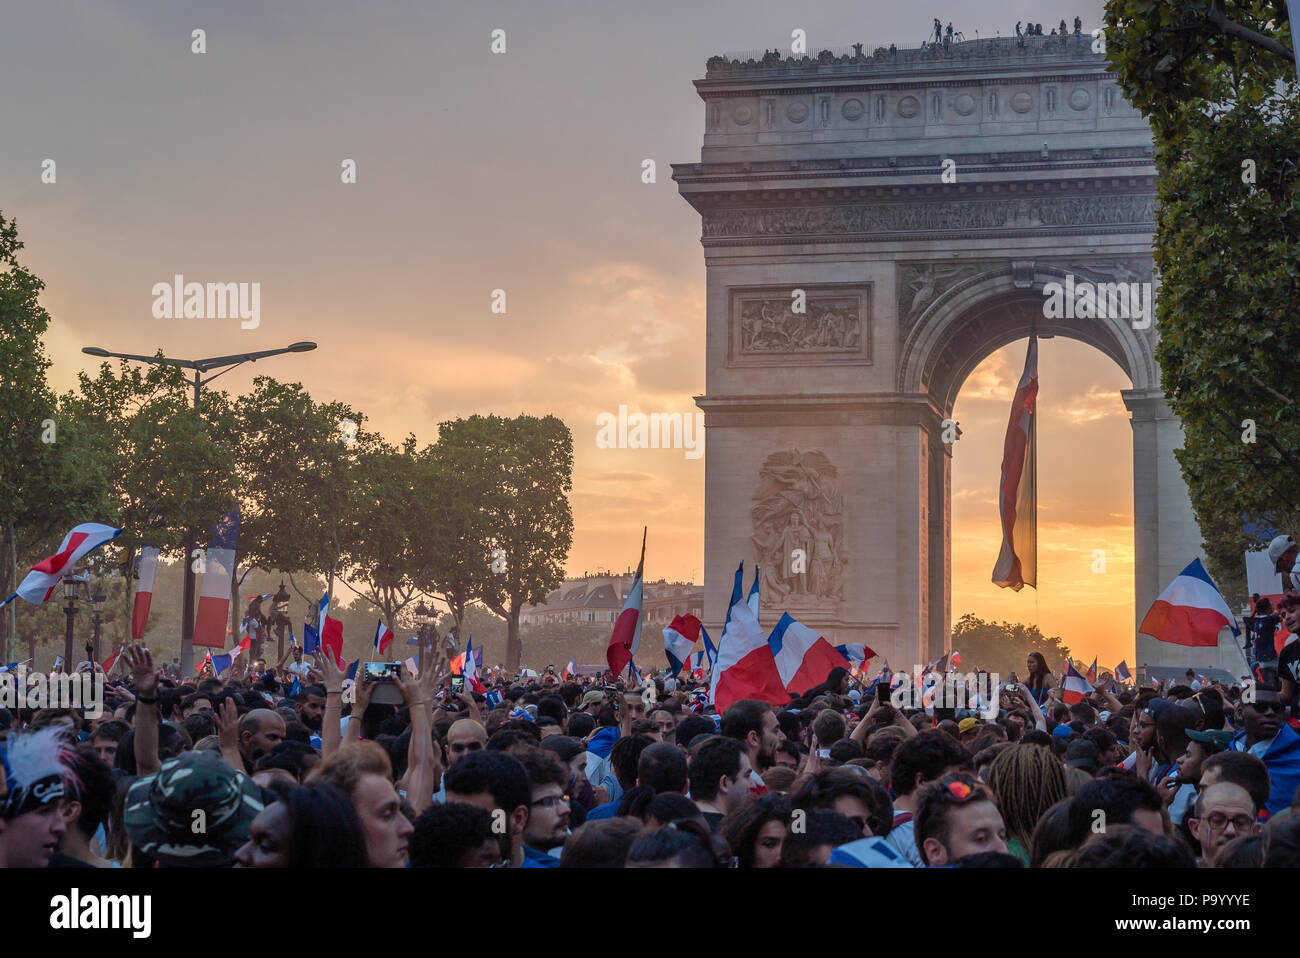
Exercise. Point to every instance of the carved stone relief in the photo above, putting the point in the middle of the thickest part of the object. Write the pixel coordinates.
(879, 218)
(798, 517)
(834, 325)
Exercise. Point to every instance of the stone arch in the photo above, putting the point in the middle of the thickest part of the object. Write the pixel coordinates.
(980, 314)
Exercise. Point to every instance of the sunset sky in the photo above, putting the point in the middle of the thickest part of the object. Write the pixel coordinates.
(478, 172)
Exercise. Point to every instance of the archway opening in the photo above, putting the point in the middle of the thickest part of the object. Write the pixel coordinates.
(1085, 590)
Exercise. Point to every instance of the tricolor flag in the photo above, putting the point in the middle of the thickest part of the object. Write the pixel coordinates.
(331, 640)
(710, 651)
(753, 594)
(412, 666)
(4, 669)
(1122, 673)
(626, 638)
(1017, 564)
(857, 653)
(383, 637)
(803, 657)
(310, 639)
(110, 661)
(1074, 687)
(39, 583)
(570, 669)
(494, 698)
(1190, 612)
(321, 612)
(745, 667)
(700, 665)
(143, 592)
(956, 660)
(679, 638)
(218, 571)
(352, 669)
(1091, 674)
(472, 680)
(220, 662)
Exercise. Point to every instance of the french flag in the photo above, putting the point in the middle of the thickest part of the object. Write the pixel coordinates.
(109, 662)
(745, 667)
(383, 637)
(1190, 612)
(626, 638)
(331, 640)
(570, 669)
(753, 595)
(218, 571)
(39, 584)
(803, 657)
(1017, 564)
(471, 668)
(143, 592)
(1122, 672)
(679, 638)
(1074, 687)
(1091, 674)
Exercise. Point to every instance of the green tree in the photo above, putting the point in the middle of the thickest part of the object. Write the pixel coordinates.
(298, 469)
(382, 555)
(519, 471)
(1216, 82)
(1003, 647)
(52, 474)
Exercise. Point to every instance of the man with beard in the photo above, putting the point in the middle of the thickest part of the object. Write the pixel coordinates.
(259, 731)
(310, 706)
(548, 808)
(754, 725)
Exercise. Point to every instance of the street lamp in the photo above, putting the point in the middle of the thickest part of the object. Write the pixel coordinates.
(280, 617)
(97, 618)
(200, 366)
(71, 588)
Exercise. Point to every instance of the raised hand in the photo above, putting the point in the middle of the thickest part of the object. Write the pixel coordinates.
(143, 675)
(332, 677)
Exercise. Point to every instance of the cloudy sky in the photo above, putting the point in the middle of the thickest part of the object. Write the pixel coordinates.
(478, 172)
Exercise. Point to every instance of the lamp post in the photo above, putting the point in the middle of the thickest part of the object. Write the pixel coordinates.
(422, 612)
(71, 586)
(280, 618)
(97, 618)
(200, 366)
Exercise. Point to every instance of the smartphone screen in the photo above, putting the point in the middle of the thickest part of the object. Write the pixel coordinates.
(382, 671)
(457, 684)
(882, 693)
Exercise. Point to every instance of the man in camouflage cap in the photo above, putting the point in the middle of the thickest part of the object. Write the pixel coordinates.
(193, 813)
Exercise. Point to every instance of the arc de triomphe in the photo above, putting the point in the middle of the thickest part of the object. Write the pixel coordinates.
(821, 179)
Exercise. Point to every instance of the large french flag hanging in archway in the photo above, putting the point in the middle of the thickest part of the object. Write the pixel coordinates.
(1017, 564)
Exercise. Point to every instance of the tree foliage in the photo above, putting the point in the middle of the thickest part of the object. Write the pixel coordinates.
(1003, 647)
(1225, 114)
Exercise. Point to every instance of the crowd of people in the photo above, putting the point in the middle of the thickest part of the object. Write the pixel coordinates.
(306, 769)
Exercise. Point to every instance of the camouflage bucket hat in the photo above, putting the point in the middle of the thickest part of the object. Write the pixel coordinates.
(193, 813)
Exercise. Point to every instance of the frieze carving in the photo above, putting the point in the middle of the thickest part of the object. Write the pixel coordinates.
(1038, 212)
(827, 325)
(798, 517)
(833, 324)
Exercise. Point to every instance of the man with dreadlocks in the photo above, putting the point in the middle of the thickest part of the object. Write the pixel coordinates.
(36, 775)
(1027, 780)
